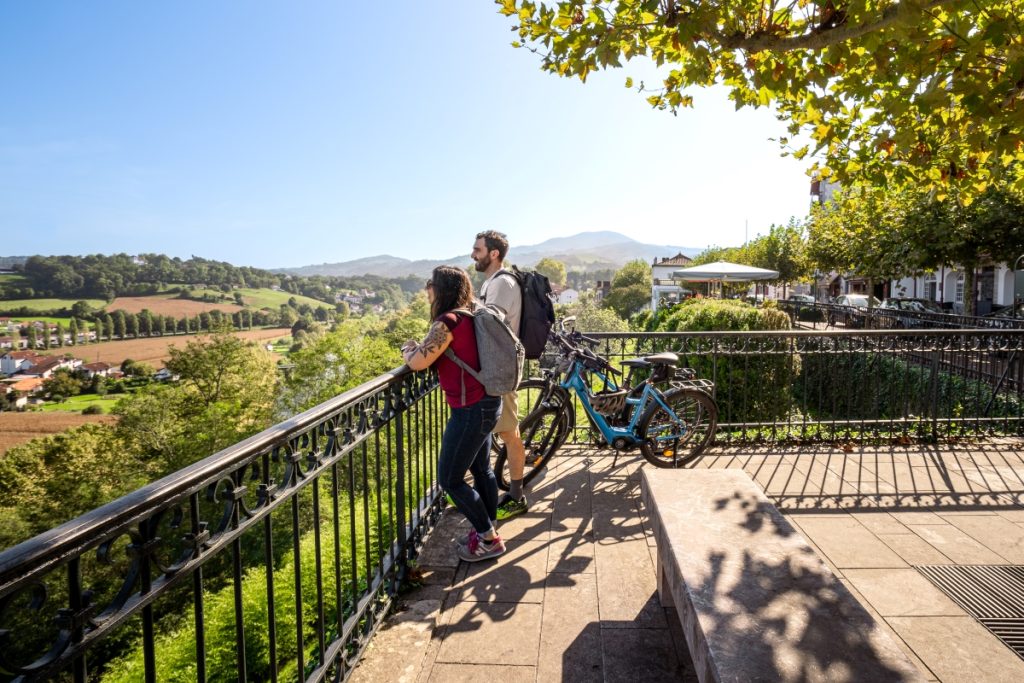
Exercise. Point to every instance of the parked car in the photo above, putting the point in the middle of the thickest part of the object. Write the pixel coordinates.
(908, 312)
(802, 307)
(851, 309)
(1015, 312)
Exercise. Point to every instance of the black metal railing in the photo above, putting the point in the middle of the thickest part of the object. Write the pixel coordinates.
(822, 314)
(847, 384)
(274, 559)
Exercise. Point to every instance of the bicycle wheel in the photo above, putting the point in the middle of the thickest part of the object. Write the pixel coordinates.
(673, 441)
(543, 432)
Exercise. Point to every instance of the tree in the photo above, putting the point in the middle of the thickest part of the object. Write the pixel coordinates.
(552, 269)
(73, 331)
(947, 233)
(31, 336)
(590, 317)
(225, 393)
(81, 309)
(120, 324)
(337, 361)
(60, 334)
(923, 93)
(785, 250)
(631, 288)
(62, 383)
(108, 327)
(861, 232)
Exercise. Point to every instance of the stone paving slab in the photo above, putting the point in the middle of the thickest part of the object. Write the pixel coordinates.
(575, 599)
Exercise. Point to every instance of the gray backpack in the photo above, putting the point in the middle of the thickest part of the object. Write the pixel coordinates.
(500, 353)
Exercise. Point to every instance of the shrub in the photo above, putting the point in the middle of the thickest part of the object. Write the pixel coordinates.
(753, 377)
(92, 410)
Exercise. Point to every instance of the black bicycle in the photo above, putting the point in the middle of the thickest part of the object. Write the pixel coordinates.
(670, 415)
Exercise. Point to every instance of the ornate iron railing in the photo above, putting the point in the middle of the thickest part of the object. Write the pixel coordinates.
(832, 315)
(273, 559)
(846, 384)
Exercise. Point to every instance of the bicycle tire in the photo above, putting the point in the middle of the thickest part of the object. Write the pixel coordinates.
(543, 431)
(662, 444)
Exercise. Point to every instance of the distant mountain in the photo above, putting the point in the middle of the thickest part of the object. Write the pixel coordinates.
(584, 251)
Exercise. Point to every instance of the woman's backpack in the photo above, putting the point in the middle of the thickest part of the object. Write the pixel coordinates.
(498, 348)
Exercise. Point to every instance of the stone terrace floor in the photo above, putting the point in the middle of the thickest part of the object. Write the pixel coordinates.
(574, 598)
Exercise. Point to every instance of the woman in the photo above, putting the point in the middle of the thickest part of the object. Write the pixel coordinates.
(466, 443)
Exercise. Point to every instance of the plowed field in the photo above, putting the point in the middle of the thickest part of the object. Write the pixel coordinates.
(151, 350)
(168, 306)
(17, 428)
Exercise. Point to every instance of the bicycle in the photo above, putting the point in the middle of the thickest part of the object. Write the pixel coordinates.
(671, 426)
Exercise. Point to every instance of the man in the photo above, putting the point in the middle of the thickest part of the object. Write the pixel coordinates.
(502, 290)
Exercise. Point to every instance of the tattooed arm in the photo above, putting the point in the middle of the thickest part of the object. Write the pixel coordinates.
(421, 356)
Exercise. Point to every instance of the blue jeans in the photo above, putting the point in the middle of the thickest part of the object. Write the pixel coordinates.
(466, 446)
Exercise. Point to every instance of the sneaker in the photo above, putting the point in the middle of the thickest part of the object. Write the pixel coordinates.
(509, 507)
(449, 500)
(464, 541)
(478, 549)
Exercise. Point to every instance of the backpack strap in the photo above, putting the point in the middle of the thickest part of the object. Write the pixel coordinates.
(450, 354)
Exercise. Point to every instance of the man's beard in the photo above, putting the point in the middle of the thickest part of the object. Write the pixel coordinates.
(483, 264)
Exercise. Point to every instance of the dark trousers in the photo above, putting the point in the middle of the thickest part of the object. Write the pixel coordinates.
(466, 446)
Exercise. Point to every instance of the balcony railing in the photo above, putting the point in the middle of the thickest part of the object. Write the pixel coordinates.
(274, 559)
(892, 319)
(847, 384)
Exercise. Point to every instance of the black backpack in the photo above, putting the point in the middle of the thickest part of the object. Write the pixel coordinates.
(538, 314)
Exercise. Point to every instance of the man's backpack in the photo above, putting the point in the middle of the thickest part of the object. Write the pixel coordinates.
(497, 347)
(538, 313)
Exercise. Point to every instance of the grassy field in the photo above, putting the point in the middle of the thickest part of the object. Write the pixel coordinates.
(36, 318)
(153, 350)
(268, 298)
(76, 404)
(47, 304)
(168, 304)
(18, 428)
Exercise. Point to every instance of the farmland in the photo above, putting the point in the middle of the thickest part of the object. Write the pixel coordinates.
(268, 298)
(47, 304)
(18, 428)
(168, 304)
(151, 350)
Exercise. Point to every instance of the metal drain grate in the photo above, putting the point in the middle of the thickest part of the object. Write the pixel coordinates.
(992, 594)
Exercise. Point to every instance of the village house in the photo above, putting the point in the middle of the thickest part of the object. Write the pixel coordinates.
(565, 295)
(99, 368)
(662, 284)
(45, 366)
(13, 361)
(7, 342)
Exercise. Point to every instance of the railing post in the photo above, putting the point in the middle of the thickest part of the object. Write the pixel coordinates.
(403, 537)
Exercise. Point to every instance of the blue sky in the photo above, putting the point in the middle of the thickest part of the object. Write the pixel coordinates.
(283, 134)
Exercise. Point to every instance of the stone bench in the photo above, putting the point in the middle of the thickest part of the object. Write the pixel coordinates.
(755, 601)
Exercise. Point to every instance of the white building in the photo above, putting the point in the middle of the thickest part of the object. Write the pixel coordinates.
(662, 284)
(993, 287)
(568, 296)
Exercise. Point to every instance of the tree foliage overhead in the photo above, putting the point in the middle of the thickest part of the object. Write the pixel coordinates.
(923, 92)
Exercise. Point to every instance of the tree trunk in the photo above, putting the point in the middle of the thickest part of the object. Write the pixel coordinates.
(969, 294)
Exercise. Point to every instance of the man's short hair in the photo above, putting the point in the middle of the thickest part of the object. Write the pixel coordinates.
(494, 241)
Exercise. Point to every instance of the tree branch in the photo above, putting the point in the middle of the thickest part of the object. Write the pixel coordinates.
(822, 39)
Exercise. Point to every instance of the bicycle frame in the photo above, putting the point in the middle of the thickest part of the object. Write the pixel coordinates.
(627, 434)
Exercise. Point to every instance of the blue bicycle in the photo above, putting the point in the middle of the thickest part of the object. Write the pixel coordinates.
(669, 415)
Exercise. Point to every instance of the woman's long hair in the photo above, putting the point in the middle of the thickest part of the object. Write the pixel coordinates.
(452, 289)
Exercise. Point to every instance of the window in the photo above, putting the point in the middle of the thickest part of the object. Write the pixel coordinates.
(959, 298)
(931, 287)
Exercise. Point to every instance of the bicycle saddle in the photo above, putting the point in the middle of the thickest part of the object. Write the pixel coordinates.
(663, 358)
